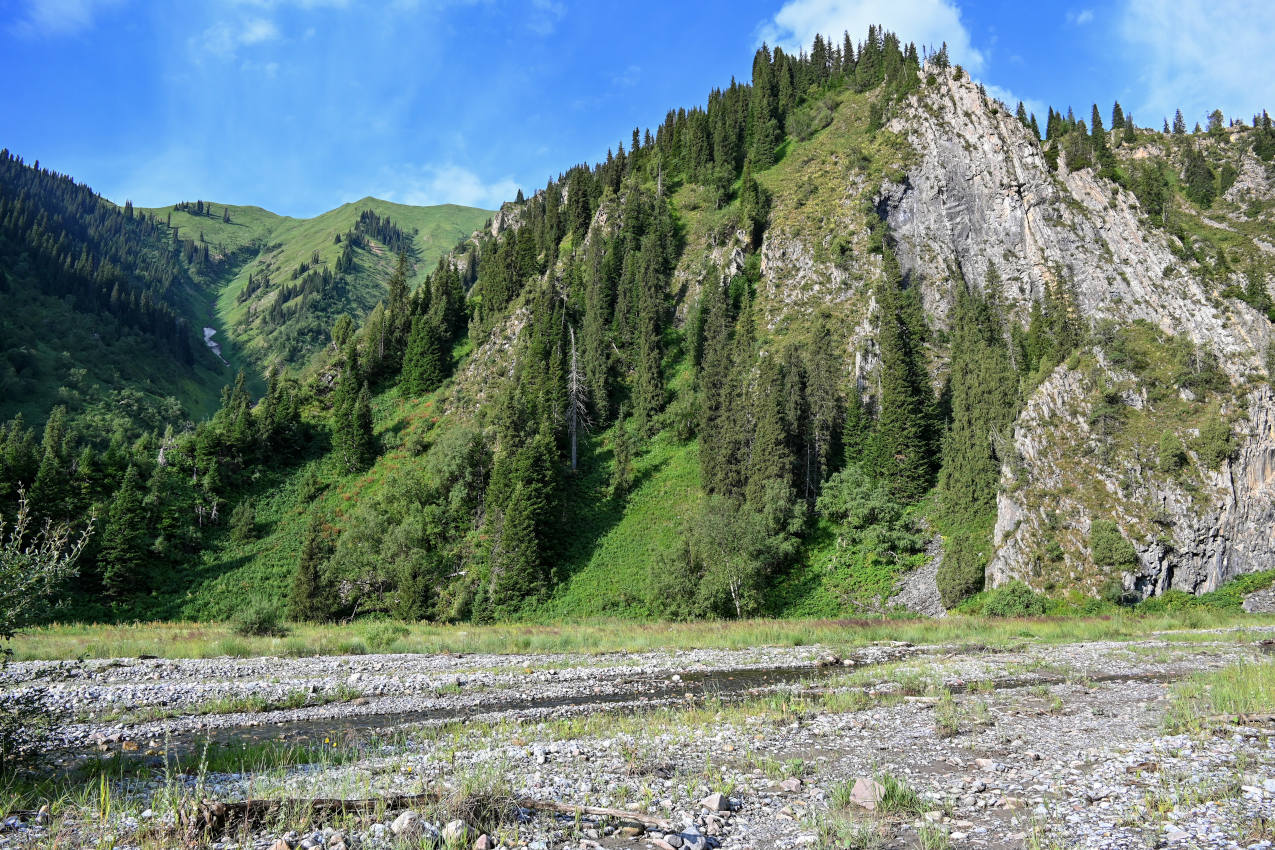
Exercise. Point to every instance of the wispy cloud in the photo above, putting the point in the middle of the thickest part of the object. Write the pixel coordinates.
(57, 17)
(224, 38)
(628, 77)
(545, 15)
(1201, 55)
(1079, 19)
(446, 184)
(1011, 100)
(927, 22)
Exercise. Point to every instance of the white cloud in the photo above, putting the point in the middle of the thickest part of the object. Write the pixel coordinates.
(58, 17)
(1079, 19)
(628, 77)
(224, 38)
(926, 22)
(1011, 100)
(1201, 55)
(447, 184)
(545, 16)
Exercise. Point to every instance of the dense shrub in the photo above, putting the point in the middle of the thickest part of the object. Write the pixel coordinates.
(383, 634)
(1172, 456)
(1014, 600)
(258, 619)
(1214, 443)
(243, 522)
(961, 573)
(1109, 547)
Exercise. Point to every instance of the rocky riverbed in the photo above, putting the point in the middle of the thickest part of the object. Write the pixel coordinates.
(1037, 745)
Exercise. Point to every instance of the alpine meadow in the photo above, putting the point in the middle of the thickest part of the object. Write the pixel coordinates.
(852, 460)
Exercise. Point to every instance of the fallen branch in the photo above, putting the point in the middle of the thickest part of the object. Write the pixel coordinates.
(595, 811)
(212, 817)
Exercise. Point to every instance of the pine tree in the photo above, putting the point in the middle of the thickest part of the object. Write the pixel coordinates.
(311, 597)
(984, 403)
(901, 455)
(516, 571)
(124, 539)
(51, 492)
(352, 436)
(423, 366)
(1179, 124)
(769, 458)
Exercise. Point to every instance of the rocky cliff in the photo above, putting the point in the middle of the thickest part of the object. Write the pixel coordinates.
(982, 200)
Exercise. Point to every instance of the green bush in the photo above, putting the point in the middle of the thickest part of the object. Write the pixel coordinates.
(1214, 443)
(258, 619)
(383, 634)
(962, 571)
(1172, 455)
(1109, 547)
(1014, 600)
(243, 522)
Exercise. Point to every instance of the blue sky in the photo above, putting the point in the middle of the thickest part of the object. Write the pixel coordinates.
(301, 105)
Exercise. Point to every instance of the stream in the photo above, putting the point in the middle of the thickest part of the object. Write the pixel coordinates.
(215, 347)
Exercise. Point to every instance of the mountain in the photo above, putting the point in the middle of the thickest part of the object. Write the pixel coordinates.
(283, 282)
(100, 309)
(851, 338)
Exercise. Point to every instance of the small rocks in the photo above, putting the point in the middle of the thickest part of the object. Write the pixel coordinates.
(790, 786)
(716, 802)
(483, 842)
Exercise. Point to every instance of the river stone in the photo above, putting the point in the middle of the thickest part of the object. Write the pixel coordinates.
(408, 825)
(483, 842)
(791, 785)
(716, 802)
(455, 832)
(867, 793)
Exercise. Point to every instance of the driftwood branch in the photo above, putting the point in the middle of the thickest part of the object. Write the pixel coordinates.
(212, 817)
(595, 811)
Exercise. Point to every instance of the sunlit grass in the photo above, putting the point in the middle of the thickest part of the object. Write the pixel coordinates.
(204, 640)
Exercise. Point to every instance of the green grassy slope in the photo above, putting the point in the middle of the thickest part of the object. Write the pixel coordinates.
(259, 242)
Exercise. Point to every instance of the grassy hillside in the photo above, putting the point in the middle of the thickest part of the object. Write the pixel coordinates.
(258, 245)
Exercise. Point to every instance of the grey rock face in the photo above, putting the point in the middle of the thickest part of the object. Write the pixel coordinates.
(981, 199)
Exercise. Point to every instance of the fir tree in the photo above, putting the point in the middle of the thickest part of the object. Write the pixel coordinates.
(124, 539)
(311, 597)
(901, 455)
(984, 403)
(423, 366)
(516, 574)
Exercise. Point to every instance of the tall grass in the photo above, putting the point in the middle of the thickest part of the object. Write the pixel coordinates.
(1244, 688)
(205, 640)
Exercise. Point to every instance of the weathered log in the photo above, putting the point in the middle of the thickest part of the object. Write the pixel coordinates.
(213, 817)
(595, 811)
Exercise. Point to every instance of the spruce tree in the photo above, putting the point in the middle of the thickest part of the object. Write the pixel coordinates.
(516, 574)
(984, 403)
(352, 436)
(124, 539)
(311, 597)
(423, 366)
(769, 459)
(901, 455)
(51, 491)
